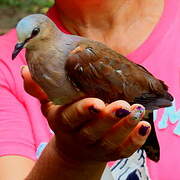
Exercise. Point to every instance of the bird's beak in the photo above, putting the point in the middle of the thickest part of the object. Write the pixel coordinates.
(17, 49)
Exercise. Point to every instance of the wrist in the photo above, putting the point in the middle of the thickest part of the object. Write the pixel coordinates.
(53, 165)
(80, 168)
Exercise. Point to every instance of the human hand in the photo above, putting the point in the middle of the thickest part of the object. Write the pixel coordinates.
(91, 131)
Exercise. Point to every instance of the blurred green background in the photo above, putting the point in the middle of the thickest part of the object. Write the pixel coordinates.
(13, 10)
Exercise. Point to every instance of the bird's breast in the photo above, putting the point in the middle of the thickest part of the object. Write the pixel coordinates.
(47, 69)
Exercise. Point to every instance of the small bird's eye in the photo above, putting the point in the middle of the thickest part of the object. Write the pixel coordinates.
(35, 32)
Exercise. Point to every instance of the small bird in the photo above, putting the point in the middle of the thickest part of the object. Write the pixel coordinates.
(70, 67)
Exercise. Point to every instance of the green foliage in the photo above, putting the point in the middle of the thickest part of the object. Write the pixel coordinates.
(11, 11)
(30, 5)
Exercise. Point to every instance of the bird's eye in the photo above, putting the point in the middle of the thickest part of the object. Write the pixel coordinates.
(35, 32)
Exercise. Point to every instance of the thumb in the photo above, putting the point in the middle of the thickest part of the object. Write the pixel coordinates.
(74, 116)
(30, 86)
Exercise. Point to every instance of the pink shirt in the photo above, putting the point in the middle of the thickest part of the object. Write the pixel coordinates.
(24, 131)
(22, 126)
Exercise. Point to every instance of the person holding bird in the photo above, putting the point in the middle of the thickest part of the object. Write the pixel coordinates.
(89, 72)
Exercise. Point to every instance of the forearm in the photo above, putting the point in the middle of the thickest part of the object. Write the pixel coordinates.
(51, 166)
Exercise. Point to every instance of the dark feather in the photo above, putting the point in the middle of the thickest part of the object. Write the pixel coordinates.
(151, 145)
(100, 72)
(107, 75)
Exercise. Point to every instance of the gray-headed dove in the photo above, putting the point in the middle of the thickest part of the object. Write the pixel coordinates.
(69, 68)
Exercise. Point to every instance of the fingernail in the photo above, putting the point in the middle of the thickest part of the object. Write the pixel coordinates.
(120, 113)
(22, 67)
(143, 130)
(92, 109)
(137, 113)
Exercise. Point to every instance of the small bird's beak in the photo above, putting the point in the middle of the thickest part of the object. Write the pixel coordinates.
(17, 49)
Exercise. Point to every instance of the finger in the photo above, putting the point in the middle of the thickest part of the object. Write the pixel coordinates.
(32, 87)
(135, 140)
(49, 110)
(132, 143)
(123, 128)
(78, 113)
(111, 114)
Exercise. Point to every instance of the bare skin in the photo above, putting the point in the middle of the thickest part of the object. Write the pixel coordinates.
(123, 25)
(84, 147)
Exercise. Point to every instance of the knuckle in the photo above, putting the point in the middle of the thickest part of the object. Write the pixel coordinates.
(87, 136)
(66, 121)
(129, 124)
(108, 146)
(71, 117)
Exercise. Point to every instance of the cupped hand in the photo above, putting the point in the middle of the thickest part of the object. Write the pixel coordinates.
(91, 130)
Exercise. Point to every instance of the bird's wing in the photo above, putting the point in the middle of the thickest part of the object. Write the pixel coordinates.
(101, 72)
(98, 75)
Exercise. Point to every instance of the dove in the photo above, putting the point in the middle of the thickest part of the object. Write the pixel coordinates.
(69, 68)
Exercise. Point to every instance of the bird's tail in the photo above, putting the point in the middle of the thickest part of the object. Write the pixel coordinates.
(151, 145)
(155, 101)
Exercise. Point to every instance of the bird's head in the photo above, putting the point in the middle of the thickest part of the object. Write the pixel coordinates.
(31, 29)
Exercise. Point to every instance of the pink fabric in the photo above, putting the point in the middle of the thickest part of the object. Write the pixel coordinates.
(23, 128)
(160, 54)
